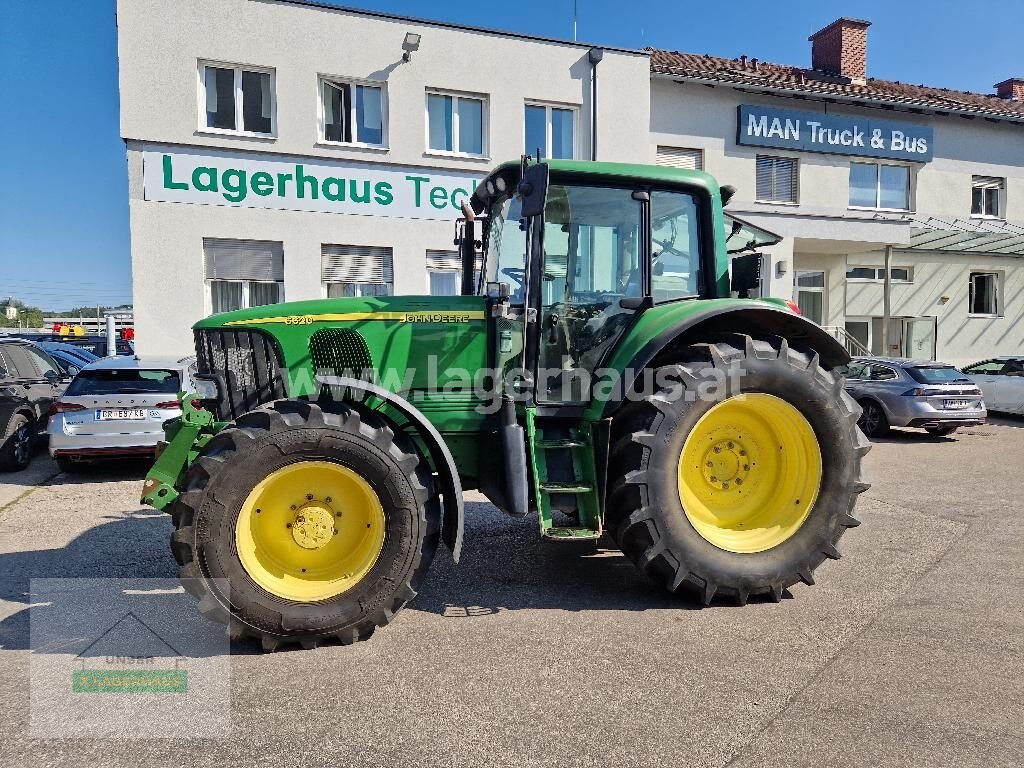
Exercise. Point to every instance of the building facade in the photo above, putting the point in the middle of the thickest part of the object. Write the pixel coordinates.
(851, 171)
(280, 150)
(284, 150)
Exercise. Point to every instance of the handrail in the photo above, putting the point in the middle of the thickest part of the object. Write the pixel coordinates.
(852, 344)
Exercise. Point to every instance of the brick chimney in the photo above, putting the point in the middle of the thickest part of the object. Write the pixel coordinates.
(841, 48)
(1010, 89)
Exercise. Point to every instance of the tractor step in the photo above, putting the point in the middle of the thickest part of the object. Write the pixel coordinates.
(573, 534)
(561, 443)
(565, 488)
(564, 478)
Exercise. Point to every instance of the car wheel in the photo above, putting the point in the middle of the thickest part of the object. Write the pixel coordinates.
(873, 421)
(16, 446)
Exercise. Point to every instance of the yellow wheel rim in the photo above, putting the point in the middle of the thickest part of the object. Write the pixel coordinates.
(749, 473)
(310, 531)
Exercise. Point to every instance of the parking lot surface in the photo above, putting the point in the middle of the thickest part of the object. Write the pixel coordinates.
(908, 652)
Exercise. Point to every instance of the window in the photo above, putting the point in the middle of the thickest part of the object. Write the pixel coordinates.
(237, 99)
(456, 124)
(882, 373)
(986, 194)
(677, 157)
(443, 270)
(777, 179)
(810, 295)
(551, 131)
(877, 274)
(858, 371)
(984, 294)
(117, 381)
(243, 273)
(356, 270)
(988, 368)
(675, 270)
(873, 185)
(352, 113)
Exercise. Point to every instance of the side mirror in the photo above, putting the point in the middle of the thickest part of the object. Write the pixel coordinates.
(52, 376)
(746, 273)
(533, 189)
(73, 370)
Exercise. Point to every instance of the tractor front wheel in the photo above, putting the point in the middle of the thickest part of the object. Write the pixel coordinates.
(301, 525)
(739, 474)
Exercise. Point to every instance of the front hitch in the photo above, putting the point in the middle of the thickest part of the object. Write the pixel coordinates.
(186, 436)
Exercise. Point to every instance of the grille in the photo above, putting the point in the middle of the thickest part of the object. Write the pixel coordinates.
(340, 352)
(247, 366)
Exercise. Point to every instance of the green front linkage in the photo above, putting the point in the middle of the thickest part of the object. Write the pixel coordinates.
(186, 437)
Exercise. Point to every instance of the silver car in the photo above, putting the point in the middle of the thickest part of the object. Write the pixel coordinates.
(897, 392)
(116, 407)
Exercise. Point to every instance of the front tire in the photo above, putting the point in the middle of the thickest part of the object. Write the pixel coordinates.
(773, 425)
(302, 525)
(16, 444)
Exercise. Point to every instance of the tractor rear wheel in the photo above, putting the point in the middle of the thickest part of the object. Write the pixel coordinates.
(302, 525)
(739, 474)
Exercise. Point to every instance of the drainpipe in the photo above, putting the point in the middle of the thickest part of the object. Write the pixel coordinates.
(886, 308)
(594, 56)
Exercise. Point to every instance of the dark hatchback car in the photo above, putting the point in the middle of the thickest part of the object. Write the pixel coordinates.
(29, 382)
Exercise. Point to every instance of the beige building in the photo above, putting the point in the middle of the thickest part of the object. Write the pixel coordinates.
(284, 150)
(941, 188)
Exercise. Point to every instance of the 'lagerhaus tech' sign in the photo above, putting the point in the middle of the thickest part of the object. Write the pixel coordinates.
(836, 134)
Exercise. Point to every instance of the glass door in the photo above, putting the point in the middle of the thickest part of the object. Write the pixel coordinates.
(810, 295)
(919, 338)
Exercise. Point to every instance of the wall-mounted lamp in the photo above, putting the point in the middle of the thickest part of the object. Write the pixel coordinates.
(410, 44)
(781, 267)
(943, 299)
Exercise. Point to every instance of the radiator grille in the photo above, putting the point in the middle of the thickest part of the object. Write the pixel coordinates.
(340, 352)
(247, 365)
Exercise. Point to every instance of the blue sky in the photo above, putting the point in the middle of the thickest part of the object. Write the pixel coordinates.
(64, 200)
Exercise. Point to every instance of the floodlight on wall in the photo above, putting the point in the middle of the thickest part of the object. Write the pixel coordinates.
(409, 44)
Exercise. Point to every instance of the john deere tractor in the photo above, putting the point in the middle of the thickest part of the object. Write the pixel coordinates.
(596, 372)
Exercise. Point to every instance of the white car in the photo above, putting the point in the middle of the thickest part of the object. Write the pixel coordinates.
(116, 407)
(1001, 380)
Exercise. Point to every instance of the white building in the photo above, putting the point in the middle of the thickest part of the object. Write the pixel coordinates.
(941, 185)
(281, 150)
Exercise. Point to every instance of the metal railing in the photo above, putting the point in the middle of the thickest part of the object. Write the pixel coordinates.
(853, 346)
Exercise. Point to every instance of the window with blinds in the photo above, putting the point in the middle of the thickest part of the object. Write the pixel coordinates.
(777, 179)
(243, 260)
(443, 272)
(678, 157)
(986, 193)
(356, 270)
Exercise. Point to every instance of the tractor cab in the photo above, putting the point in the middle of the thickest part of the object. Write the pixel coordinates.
(573, 251)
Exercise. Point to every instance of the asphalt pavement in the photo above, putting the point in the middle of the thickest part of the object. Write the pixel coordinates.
(909, 651)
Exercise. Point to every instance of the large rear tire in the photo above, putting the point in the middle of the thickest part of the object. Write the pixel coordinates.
(16, 444)
(299, 524)
(739, 474)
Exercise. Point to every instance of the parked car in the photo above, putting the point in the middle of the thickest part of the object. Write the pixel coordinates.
(1001, 379)
(898, 392)
(69, 357)
(30, 381)
(116, 407)
(97, 344)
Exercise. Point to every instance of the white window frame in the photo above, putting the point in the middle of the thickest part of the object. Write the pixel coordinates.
(998, 276)
(547, 106)
(796, 180)
(485, 123)
(862, 319)
(981, 182)
(323, 79)
(879, 274)
(697, 152)
(239, 119)
(245, 290)
(911, 181)
(822, 289)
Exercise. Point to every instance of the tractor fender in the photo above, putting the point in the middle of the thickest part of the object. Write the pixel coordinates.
(754, 320)
(444, 464)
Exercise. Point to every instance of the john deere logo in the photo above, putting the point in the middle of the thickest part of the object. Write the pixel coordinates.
(130, 657)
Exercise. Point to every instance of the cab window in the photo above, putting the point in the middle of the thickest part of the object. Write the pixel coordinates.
(675, 251)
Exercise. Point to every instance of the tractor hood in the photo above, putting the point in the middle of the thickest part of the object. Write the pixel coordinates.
(401, 309)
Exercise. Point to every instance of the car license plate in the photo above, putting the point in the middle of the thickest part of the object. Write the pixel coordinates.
(118, 414)
(956, 405)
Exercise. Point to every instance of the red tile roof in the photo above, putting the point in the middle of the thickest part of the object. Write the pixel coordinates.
(755, 74)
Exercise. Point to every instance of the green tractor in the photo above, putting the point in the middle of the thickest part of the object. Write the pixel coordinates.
(595, 371)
